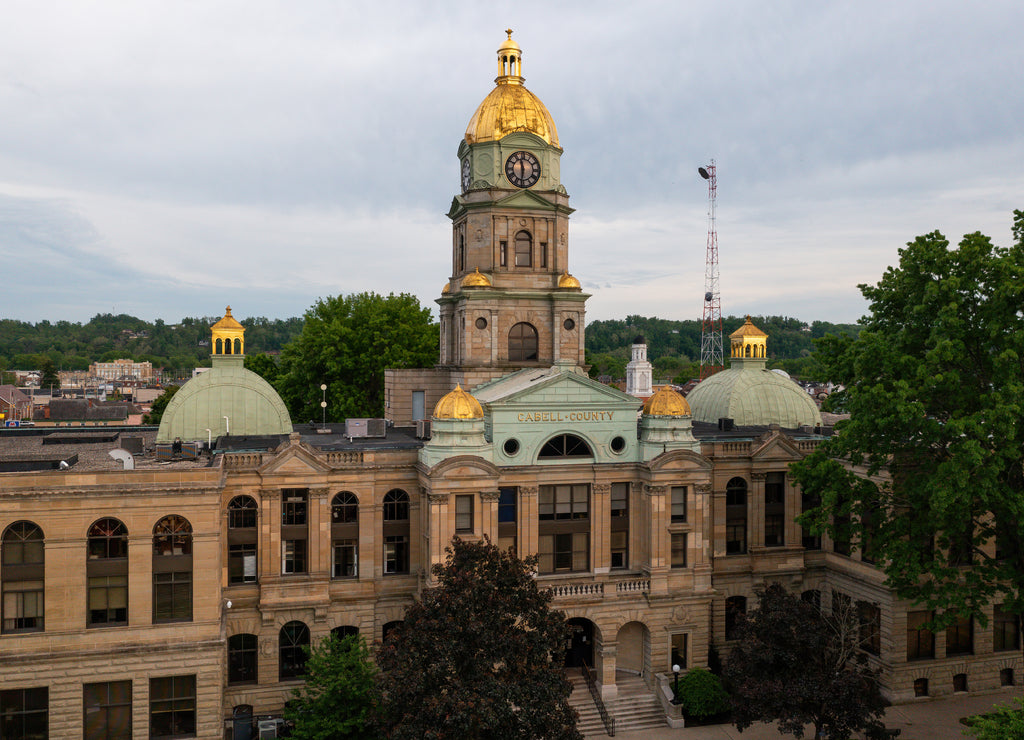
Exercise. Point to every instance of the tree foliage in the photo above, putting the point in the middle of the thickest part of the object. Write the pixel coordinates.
(338, 700)
(347, 342)
(480, 656)
(795, 666)
(1005, 721)
(263, 365)
(156, 410)
(701, 694)
(928, 473)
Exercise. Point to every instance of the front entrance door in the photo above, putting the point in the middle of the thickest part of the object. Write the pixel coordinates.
(580, 647)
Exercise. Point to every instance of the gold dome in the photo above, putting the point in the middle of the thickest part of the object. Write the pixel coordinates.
(227, 336)
(476, 280)
(568, 281)
(510, 107)
(666, 402)
(228, 323)
(447, 288)
(458, 405)
(748, 330)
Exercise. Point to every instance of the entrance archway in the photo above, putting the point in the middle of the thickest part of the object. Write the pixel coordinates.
(580, 645)
(633, 652)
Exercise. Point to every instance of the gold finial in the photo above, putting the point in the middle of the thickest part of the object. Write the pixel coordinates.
(509, 32)
(227, 311)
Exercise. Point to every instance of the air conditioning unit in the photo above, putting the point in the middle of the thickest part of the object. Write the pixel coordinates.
(268, 728)
(423, 429)
(365, 428)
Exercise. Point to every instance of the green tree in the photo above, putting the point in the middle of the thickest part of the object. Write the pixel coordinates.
(338, 701)
(156, 411)
(263, 365)
(347, 342)
(701, 694)
(795, 666)
(48, 374)
(927, 476)
(479, 656)
(1005, 721)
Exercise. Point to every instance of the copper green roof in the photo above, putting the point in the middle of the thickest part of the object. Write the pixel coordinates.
(751, 395)
(248, 401)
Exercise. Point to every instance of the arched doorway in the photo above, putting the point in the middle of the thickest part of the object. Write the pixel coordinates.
(633, 652)
(241, 722)
(579, 647)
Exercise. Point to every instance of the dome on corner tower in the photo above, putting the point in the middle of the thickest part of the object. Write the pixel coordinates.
(666, 402)
(510, 107)
(458, 404)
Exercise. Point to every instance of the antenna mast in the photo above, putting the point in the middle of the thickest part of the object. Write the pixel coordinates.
(711, 360)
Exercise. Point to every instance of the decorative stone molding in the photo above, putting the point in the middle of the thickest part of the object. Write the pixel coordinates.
(703, 488)
(435, 499)
(650, 490)
(528, 491)
(759, 476)
(490, 497)
(602, 489)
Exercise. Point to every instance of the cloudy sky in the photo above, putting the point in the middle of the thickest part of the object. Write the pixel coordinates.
(163, 159)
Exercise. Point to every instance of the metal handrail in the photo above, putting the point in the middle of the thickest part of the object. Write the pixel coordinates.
(609, 721)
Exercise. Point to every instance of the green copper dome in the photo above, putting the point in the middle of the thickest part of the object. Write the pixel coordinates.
(752, 395)
(249, 402)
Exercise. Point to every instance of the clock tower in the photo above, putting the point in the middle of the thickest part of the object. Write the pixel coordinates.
(510, 301)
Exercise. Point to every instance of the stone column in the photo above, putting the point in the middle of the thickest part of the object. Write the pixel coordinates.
(755, 512)
(659, 541)
(793, 532)
(600, 533)
(605, 657)
(318, 523)
(488, 521)
(437, 530)
(529, 543)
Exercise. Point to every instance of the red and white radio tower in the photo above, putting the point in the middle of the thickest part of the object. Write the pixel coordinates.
(711, 360)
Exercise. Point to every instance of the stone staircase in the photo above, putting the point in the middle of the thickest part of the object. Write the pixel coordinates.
(635, 707)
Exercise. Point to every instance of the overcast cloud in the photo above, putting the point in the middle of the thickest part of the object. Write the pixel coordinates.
(164, 159)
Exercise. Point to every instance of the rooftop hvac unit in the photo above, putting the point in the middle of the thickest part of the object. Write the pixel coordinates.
(268, 728)
(726, 424)
(365, 428)
(423, 429)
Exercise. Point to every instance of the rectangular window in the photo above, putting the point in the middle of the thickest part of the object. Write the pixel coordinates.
(172, 707)
(507, 518)
(108, 600)
(23, 606)
(567, 552)
(960, 637)
(564, 502)
(620, 549)
(735, 538)
(774, 509)
(243, 657)
(396, 554)
(543, 254)
(25, 713)
(346, 561)
(419, 405)
(242, 563)
(172, 596)
(293, 557)
(503, 249)
(678, 504)
(620, 500)
(678, 550)
(869, 618)
(293, 507)
(107, 710)
(678, 653)
(464, 514)
(810, 541)
(1005, 630)
(920, 641)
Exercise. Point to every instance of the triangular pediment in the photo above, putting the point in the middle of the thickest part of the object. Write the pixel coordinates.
(681, 460)
(524, 199)
(550, 385)
(294, 459)
(777, 446)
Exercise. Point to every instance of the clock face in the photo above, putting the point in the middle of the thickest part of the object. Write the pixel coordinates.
(522, 169)
(466, 174)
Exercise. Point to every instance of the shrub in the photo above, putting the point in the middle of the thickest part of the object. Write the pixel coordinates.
(701, 694)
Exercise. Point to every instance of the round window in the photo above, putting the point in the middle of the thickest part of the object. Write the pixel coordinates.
(481, 323)
(511, 446)
(569, 324)
(618, 444)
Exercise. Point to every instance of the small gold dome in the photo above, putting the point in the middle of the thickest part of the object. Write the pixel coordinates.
(510, 107)
(748, 330)
(447, 288)
(666, 402)
(458, 405)
(228, 323)
(568, 281)
(476, 280)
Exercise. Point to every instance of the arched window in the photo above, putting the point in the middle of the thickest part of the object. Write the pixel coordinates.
(172, 570)
(238, 346)
(219, 347)
(565, 445)
(524, 249)
(396, 532)
(345, 535)
(242, 540)
(107, 573)
(243, 654)
(22, 575)
(735, 607)
(736, 517)
(522, 343)
(389, 628)
(345, 631)
(292, 641)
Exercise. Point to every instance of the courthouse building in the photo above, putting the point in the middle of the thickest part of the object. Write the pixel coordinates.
(174, 598)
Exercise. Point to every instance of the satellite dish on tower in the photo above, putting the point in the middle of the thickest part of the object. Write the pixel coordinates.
(704, 173)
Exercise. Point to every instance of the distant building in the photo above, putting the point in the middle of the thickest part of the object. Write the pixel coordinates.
(122, 369)
(639, 372)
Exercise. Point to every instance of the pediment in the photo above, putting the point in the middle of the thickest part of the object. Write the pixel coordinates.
(295, 459)
(463, 467)
(524, 199)
(524, 391)
(681, 460)
(777, 447)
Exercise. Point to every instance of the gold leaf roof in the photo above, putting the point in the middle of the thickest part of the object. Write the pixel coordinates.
(228, 323)
(458, 404)
(748, 330)
(510, 107)
(666, 402)
(476, 280)
(568, 281)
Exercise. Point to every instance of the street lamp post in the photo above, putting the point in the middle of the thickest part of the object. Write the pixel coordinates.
(675, 690)
(323, 406)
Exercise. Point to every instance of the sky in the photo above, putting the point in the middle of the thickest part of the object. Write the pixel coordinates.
(165, 159)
